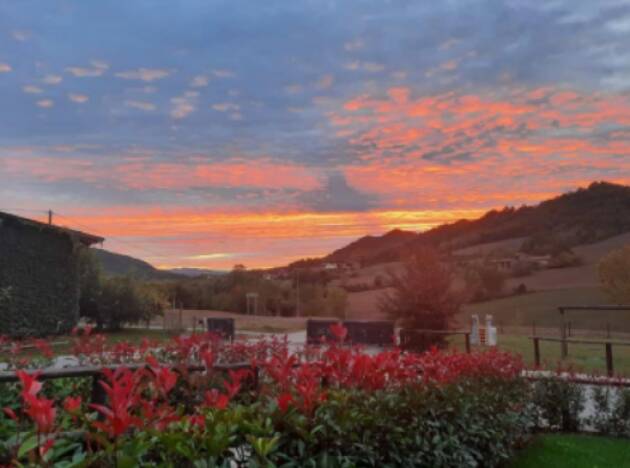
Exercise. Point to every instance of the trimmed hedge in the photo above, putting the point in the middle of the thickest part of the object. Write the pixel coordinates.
(38, 280)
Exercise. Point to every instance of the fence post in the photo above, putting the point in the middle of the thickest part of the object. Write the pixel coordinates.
(609, 359)
(467, 341)
(564, 348)
(536, 351)
(98, 396)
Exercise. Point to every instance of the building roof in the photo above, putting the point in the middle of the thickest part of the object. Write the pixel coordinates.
(84, 238)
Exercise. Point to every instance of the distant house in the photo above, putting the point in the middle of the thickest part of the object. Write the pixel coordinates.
(39, 276)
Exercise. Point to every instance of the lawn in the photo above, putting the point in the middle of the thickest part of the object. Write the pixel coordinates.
(574, 451)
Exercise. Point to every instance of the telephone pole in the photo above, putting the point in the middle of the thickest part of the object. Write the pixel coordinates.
(50, 215)
(297, 293)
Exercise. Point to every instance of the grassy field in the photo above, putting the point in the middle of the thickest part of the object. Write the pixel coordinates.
(574, 451)
(587, 358)
(542, 308)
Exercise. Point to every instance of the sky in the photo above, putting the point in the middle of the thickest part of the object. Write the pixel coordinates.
(213, 133)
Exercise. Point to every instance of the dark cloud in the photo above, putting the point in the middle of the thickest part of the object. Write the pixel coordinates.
(337, 195)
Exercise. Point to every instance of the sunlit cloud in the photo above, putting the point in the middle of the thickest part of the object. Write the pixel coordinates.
(52, 79)
(325, 81)
(142, 105)
(5, 67)
(31, 89)
(144, 74)
(97, 69)
(45, 103)
(184, 105)
(371, 67)
(200, 81)
(294, 89)
(225, 107)
(222, 73)
(78, 98)
(155, 175)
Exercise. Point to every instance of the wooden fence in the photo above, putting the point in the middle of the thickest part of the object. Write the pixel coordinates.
(564, 348)
(365, 332)
(419, 340)
(98, 394)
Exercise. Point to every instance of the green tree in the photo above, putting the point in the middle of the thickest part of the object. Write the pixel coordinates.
(614, 275)
(110, 302)
(422, 295)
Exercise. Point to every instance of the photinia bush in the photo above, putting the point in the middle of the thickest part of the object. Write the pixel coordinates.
(328, 405)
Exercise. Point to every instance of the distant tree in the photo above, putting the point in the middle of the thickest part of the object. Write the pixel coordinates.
(614, 275)
(484, 282)
(109, 302)
(422, 296)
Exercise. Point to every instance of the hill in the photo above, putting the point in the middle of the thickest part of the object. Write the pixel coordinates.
(196, 272)
(584, 216)
(114, 264)
(370, 247)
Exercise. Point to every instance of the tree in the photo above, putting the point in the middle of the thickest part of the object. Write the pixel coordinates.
(614, 275)
(109, 302)
(422, 296)
(484, 282)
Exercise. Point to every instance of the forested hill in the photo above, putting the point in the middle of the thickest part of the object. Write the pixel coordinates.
(114, 264)
(584, 216)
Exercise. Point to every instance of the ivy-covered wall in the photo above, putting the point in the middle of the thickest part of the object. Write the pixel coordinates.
(39, 282)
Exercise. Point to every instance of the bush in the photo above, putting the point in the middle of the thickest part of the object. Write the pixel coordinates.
(422, 296)
(339, 407)
(558, 404)
(612, 411)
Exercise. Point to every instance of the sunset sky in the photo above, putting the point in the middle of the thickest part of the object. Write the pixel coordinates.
(209, 133)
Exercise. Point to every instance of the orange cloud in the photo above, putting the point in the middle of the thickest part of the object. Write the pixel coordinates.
(147, 174)
(466, 150)
(187, 237)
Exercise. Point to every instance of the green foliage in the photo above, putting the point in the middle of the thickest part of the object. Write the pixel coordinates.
(109, 302)
(38, 279)
(473, 423)
(559, 403)
(612, 411)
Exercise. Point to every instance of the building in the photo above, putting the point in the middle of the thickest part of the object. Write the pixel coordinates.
(39, 276)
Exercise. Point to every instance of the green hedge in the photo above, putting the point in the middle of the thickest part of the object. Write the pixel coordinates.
(39, 285)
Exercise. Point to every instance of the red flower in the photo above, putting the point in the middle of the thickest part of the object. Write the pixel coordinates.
(339, 331)
(197, 420)
(44, 348)
(284, 400)
(42, 412)
(30, 385)
(72, 404)
(214, 399)
(46, 447)
(122, 397)
(208, 358)
(165, 379)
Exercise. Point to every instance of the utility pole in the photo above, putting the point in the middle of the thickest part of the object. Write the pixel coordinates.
(50, 214)
(297, 293)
